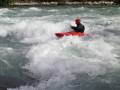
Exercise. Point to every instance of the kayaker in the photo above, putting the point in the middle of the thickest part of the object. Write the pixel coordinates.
(79, 27)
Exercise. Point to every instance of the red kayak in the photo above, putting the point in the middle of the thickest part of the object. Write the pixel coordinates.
(61, 34)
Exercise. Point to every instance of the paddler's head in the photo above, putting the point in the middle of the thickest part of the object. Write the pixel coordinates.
(77, 20)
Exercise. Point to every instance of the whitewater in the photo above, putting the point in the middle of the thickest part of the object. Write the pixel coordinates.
(33, 58)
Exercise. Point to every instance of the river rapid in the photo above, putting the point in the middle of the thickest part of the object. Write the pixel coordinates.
(33, 58)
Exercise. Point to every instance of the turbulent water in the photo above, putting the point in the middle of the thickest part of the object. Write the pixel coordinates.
(33, 58)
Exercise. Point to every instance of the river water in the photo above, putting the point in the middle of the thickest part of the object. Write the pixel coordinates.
(33, 58)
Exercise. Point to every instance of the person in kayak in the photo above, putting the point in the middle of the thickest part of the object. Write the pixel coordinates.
(79, 27)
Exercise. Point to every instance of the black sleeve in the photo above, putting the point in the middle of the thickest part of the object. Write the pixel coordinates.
(83, 27)
(73, 27)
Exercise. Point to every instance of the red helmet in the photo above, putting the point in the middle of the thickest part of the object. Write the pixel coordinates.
(77, 20)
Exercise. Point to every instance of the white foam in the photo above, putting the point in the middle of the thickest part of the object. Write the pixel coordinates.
(53, 10)
(55, 62)
(3, 10)
(5, 51)
(37, 31)
(55, 66)
(3, 33)
(35, 9)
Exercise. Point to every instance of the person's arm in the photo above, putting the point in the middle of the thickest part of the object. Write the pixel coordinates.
(73, 27)
(83, 27)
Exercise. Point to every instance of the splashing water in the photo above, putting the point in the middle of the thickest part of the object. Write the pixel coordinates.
(69, 63)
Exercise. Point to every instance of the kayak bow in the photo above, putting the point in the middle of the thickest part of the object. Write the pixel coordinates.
(62, 34)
